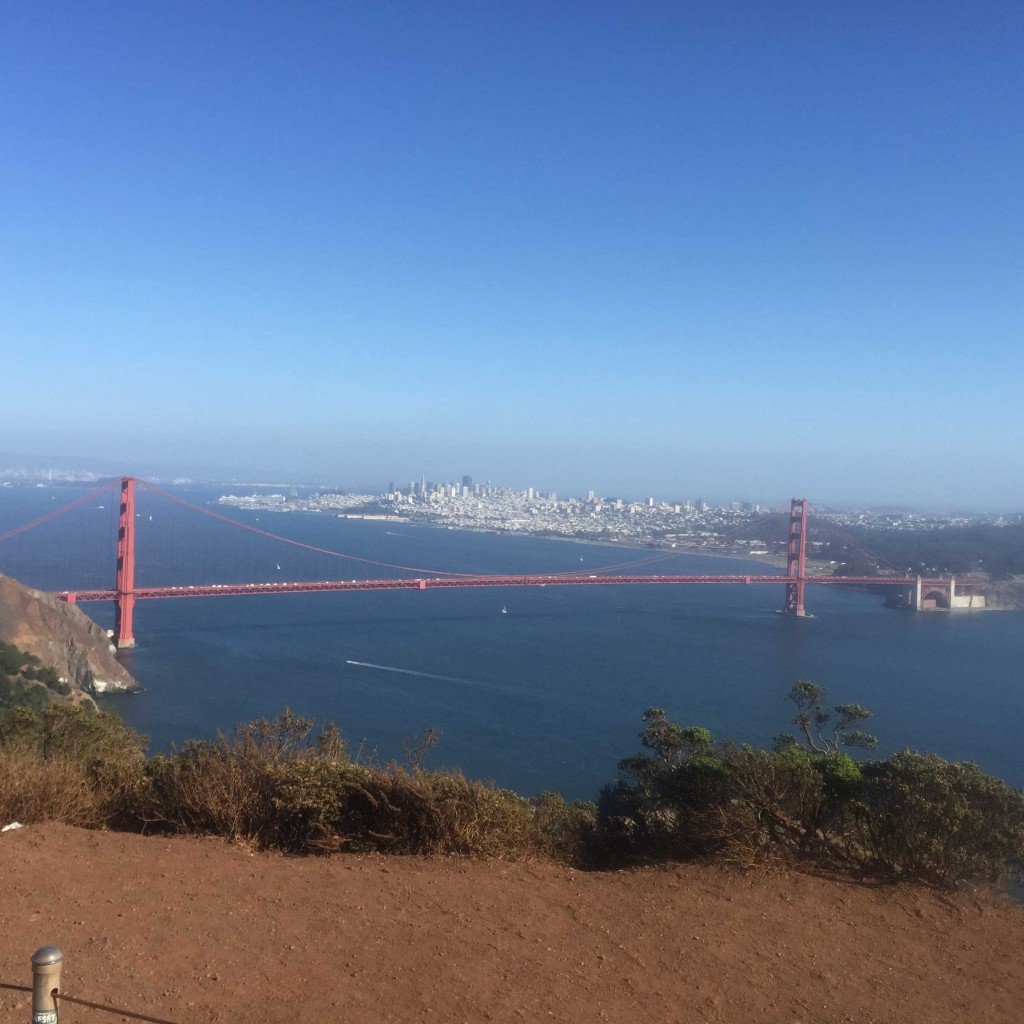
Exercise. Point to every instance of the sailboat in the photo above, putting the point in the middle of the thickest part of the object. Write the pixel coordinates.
(504, 610)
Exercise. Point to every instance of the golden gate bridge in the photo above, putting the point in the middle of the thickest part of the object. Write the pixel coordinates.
(125, 592)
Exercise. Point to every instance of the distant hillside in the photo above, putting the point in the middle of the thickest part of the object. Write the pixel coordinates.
(996, 550)
(62, 636)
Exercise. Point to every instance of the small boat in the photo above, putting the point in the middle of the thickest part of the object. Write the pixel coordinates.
(278, 565)
(504, 610)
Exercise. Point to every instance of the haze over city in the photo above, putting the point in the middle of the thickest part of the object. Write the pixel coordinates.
(742, 252)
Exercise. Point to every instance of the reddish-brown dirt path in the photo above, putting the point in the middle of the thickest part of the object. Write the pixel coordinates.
(197, 930)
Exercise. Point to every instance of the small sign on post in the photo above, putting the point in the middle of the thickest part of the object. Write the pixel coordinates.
(46, 967)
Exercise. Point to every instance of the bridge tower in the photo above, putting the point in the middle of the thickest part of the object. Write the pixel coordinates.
(796, 558)
(125, 583)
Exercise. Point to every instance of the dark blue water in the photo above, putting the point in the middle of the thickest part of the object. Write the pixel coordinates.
(547, 696)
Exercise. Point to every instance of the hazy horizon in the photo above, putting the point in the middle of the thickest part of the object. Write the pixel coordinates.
(662, 250)
(228, 475)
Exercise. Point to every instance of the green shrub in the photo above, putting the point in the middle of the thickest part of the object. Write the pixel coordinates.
(49, 678)
(275, 785)
(16, 692)
(665, 805)
(324, 805)
(441, 812)
(14, 661)
(797, 801)
(225, 787)
(309, 800)
(84, 747)
(565, 831)
(33, 791)
(912, 816)
(929, 819)
(20, 676)
(280, 785)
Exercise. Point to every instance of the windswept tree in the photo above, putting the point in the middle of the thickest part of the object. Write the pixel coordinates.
(674, 744)
(825, 729)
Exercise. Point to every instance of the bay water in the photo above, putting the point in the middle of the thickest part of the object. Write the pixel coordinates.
(534, 688)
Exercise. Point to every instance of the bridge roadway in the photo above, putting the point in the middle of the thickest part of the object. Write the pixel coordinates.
(320, 586)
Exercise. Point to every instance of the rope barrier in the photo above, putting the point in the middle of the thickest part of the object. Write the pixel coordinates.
(61, 997)
(57, 995)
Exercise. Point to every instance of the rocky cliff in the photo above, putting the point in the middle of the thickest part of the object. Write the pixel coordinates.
(63, 636)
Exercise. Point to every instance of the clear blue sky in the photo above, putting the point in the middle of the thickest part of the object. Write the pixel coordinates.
(744, 250)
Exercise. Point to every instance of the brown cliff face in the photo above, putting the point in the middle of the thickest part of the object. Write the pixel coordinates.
(61, 635)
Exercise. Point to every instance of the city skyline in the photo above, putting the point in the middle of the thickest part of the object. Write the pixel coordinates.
(734, 251)
(14, 469)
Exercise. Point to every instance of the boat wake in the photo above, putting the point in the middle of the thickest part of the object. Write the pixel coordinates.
(409, 672)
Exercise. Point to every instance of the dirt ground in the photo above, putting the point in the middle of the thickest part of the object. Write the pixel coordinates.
(197, 930)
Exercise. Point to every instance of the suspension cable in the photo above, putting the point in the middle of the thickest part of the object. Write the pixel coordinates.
(860, 546)
(299, 543)
(404, 568)
(59, 511)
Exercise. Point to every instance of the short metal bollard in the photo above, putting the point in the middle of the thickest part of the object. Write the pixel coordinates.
(46, 966)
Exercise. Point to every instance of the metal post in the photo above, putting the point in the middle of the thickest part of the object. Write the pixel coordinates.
(46, 967)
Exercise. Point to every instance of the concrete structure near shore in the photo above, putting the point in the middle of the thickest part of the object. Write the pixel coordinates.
(931, 596)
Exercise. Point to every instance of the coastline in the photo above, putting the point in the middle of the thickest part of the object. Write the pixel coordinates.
(773, 561)
(776, 562)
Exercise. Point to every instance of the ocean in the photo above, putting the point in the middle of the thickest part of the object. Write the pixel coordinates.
(535, 688)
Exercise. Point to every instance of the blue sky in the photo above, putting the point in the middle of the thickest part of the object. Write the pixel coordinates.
(744, 250)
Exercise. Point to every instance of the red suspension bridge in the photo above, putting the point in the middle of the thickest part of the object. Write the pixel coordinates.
(918, 592)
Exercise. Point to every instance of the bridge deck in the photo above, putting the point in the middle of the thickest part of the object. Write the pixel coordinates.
(320, 586)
